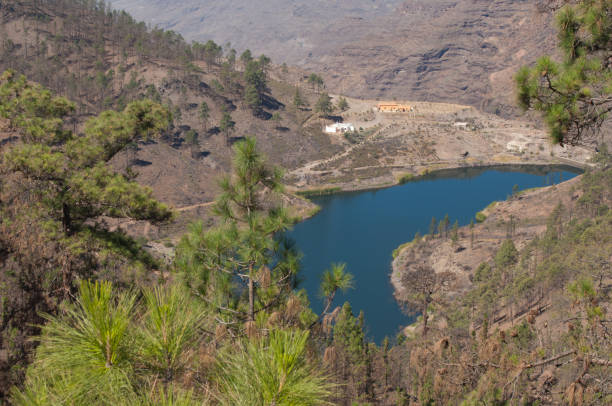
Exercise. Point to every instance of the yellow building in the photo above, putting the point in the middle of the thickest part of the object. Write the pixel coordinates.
(394, 108)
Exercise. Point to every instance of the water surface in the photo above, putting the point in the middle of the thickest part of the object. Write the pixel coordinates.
(363, 228)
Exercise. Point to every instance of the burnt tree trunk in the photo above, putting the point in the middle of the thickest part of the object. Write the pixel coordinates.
(251, 295)
(66, 219)
(425, 318)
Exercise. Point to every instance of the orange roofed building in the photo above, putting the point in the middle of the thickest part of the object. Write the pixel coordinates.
(394, 108)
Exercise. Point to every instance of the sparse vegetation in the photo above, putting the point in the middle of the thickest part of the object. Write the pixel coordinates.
(91, 315)
(480, 217)
(406, 178)
(319, 192)
(573, 95)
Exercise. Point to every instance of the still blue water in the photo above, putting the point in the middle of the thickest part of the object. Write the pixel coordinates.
(363, 228)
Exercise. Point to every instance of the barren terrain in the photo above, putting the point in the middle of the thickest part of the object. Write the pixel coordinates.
(390, 147)
(384, 151)
(528, 211)
(460, 51)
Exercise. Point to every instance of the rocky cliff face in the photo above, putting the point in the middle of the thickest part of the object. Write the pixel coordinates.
(463, 51)
(460, 51)
(287, 30)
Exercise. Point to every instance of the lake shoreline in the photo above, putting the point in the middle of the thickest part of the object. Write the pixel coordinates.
(529, 210)
(424, 172)
(362, 228)
(418, 172)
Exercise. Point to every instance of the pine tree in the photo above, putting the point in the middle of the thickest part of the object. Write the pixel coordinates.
(240, 205)
(227, 126)
(316, 81)
(274, 371)
(77, 184)
(507, 255)
(246, 57)
(85, 356)
(59, 185)
(106, 349)
(252, 98)
(243, 248)
(324, 105)
(191, 138)
(342, 104)
(446, 225)
(422, 289)
(385, 348)
(204, 114)
(432, 226)
(298, 101)
(212, 52)
(472, 233)
(455, 233)
(574, 95)
(348, 334)
(255, 77)
(333, 280)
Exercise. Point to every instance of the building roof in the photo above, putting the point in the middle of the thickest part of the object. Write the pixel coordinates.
(339, 126)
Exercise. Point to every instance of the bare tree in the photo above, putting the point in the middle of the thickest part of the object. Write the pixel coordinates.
(422, 287)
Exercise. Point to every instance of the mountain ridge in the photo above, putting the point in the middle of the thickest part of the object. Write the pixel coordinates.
(439, 50)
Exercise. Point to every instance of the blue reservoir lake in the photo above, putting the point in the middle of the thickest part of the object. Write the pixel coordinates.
(363, 228)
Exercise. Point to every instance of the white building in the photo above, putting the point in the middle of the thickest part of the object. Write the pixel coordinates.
(516, 146)
(339, 128)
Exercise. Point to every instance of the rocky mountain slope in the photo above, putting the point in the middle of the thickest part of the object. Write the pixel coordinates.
(461, 51)
(286, 30)
(104, 62)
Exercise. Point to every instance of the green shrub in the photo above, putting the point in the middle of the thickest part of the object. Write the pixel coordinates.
(319, 192)
(406, 178)
(480, 217)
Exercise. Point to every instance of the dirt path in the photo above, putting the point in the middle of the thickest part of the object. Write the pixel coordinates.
(195, 206)
(309, 167)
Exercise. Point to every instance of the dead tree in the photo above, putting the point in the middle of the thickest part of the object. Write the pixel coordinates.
(422, 287)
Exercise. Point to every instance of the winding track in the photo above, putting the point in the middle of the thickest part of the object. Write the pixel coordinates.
(309, 167)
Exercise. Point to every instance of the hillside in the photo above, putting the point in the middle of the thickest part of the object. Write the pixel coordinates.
(458, 51)
(519, 304)
(388, 148)
(102, 59)
(146, 184)
(288, 31)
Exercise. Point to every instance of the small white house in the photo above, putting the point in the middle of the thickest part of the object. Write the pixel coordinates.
(339, 128)
(461, 125)
(516, 146)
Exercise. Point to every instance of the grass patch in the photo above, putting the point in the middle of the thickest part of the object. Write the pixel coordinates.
(432, 168)
(480, 217)
(504, 158)
(522, 192)
(354, 137)
(319, 192)
(417, 238)
(313, 211)
(396, 251)
(406, 178)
